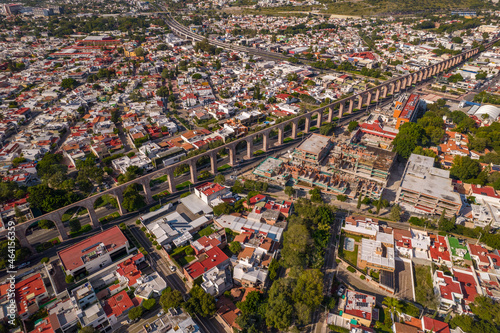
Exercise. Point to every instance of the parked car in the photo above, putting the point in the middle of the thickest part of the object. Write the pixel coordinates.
(24, 264)
(173, 268)
(160, 313)
(341, 291)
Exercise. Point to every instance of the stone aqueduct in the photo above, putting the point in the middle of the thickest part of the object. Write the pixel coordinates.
(338, 108)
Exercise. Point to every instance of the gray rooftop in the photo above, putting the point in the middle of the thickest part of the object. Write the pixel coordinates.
(421, 176)
(314, 144)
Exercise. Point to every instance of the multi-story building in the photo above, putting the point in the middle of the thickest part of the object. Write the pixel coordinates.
(313, 150)
(408, 109)
(94, 253)
(30, 294)
(210, 191)
(427, 190)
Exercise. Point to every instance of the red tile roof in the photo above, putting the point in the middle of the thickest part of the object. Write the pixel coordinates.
(43, 327)
(26, 291)
(212, 258)
(468, 285)
(435, 326)
(118, 304)
(71, 257)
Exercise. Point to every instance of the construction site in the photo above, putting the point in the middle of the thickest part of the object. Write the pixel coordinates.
(346, 168)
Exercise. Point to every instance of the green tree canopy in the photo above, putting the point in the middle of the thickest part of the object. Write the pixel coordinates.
(171, 298)
(409, 137)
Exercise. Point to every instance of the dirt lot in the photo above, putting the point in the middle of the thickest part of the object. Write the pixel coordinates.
(404, 282)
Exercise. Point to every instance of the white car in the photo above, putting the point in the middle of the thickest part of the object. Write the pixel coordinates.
(341, 290)
(173, 268)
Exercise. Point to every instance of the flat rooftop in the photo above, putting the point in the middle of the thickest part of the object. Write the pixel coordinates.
(368, 253)
(421, 176)
(314, 144)
(73, 257)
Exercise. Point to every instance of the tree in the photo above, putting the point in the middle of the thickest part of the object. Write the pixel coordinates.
(171, 298)
(235, 247)
(132, 200)
(290, 191)
(465, 168)
(358, 206)
(149, 304)
(394, 306)
(316, 195)
(296, 241)
(200, 302)
(74, 225)
(309, 289)
(222, 209)
(220, 179)
(326, 129)
(162, 92)
(409, 137)
(396, 212)
(46, 224)
(486, 309)
(17, 161)
(45, 260)
(69, 83)
(273, 269)
(352, 126)
(280, 310)
(139, 52)
(135, 313)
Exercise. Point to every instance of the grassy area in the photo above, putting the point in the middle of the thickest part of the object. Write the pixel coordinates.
(206, 231)
(84, 229)
(68, 214)
(287, 140)
(47, 245)
(161, 195)
(313, 128)
(109, 217)
(350, 256)
(357, 238)
(159, 180)
(224, 167)
(258, 152)
(182, 186)
(424, 292)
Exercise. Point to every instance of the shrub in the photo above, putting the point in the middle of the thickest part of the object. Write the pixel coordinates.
(351, 269)
(69, 279)
(362, 277)
(45, 260)
(189, 250)
(158, 247)
(183, 195)
(123, 226)
(138, 222)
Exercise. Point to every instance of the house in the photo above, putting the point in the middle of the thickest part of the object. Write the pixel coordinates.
(358, 308)
(30, 294)
(210, 191)
(117, 306)
(213, 257)
(439, 251)
(434, 326)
